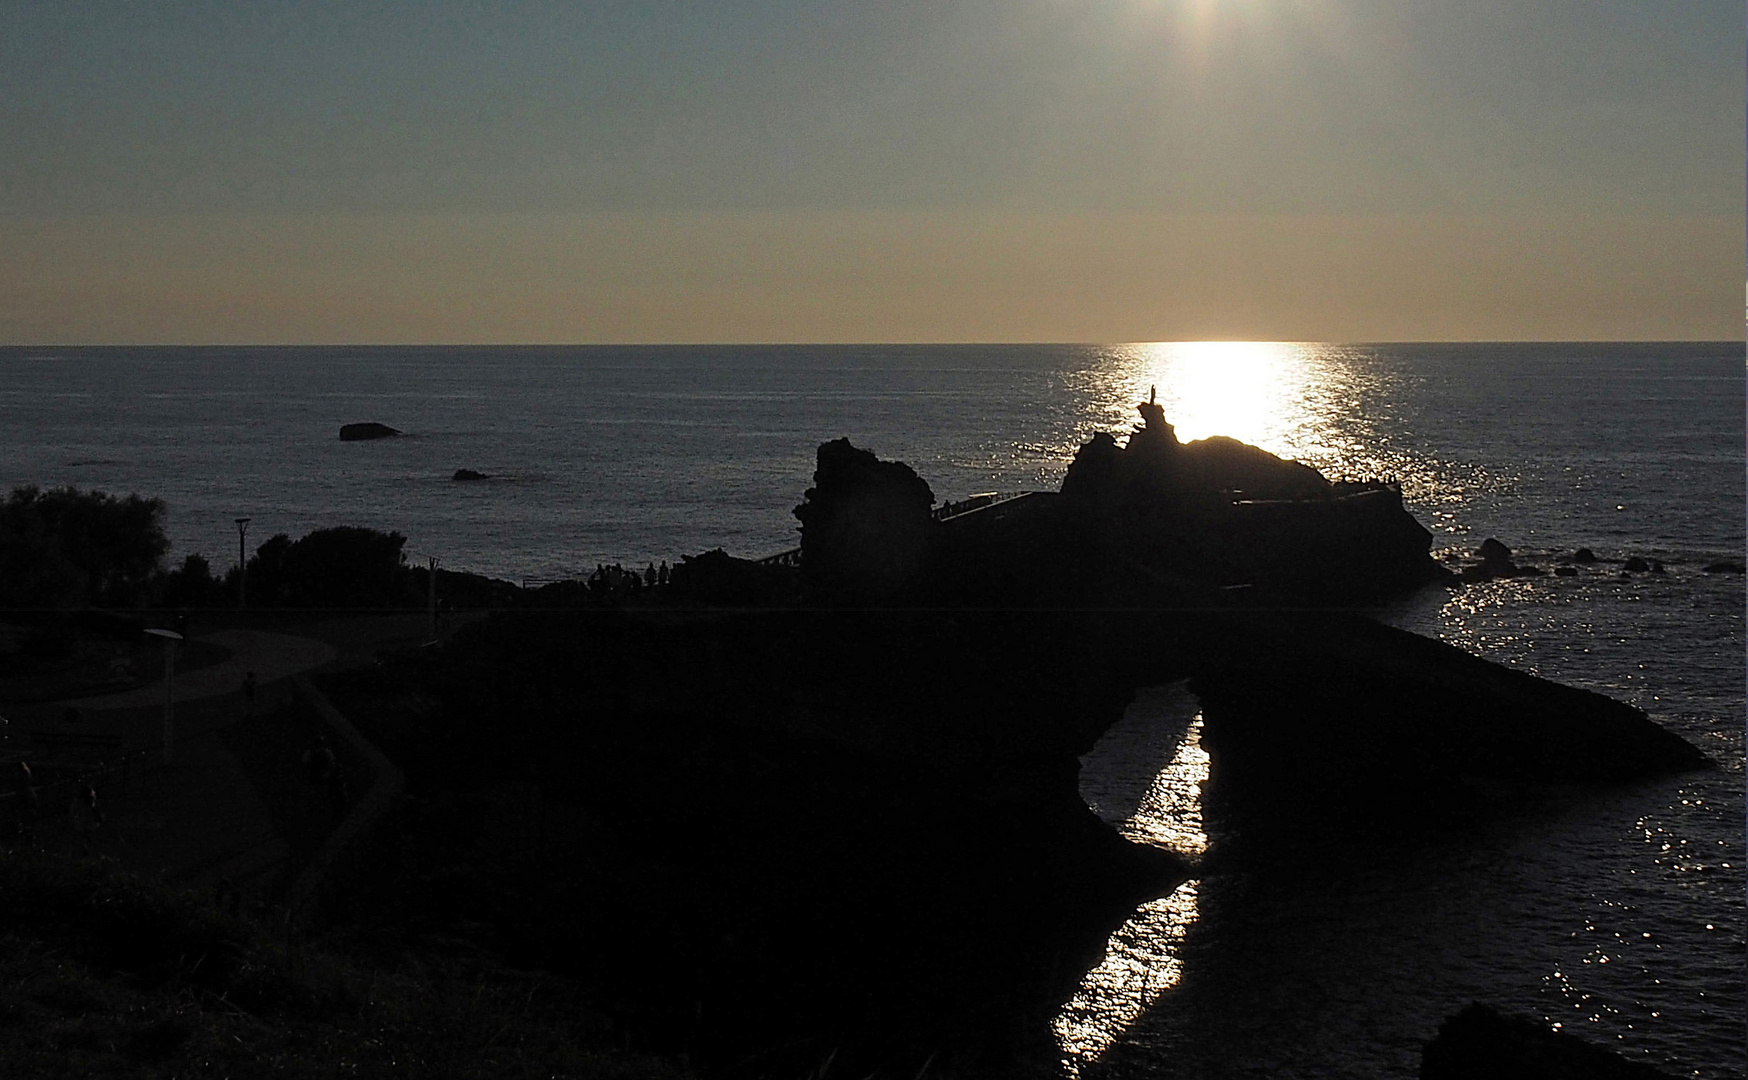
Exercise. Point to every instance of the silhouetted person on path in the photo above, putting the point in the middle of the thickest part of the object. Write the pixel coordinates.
(319, 761)
(248, 693)
(29, 805)
(86, 818)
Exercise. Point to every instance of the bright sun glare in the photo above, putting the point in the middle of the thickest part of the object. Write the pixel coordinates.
(1249, 390)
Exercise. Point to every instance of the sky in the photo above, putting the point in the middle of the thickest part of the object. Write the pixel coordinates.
(949, 170)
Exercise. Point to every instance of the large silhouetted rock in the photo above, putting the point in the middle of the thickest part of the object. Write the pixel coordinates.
(1218, 463)
(1154, 464)
(1224, 513)
(865, 525)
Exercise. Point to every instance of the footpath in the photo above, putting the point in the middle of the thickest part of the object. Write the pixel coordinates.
(235, 809)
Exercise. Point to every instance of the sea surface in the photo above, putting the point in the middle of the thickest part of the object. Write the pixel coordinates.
(1617, 915)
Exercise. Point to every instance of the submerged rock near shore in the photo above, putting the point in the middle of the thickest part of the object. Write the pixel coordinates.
(1480, 1044)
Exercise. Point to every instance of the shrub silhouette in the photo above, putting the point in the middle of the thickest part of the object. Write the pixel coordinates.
(346, 566)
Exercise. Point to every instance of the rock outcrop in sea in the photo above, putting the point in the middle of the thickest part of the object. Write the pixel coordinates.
(1215, 513)
(1480, 1044)
(1224, 513)
(362, 432)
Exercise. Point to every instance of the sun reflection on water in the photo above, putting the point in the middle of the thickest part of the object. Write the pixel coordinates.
(1337, 408)
(1170, 814)
(1253, 391)
(1297, 400)
(1142, 958)
(1141, 963)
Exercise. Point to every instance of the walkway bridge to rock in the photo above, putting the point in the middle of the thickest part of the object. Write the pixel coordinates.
(990, 505)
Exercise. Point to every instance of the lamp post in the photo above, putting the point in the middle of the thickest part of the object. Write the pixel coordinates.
(242, 564)
(170, 637)
(431, 582)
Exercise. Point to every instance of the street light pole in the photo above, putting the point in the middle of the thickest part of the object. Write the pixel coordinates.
(431, 581)
(242, 564)
(170, 637)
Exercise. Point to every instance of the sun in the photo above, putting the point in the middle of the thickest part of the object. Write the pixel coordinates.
(1248, 390)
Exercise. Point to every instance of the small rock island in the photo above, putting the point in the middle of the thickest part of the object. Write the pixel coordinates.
(365, 431)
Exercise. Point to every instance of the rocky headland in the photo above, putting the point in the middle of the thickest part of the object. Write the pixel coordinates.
(824, 806)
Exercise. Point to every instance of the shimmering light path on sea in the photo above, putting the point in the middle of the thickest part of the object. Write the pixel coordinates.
(1141, 959)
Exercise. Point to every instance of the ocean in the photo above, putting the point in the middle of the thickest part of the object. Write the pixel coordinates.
(1616, 914)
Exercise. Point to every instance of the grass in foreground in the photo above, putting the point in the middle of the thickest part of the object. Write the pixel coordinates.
(105, 974)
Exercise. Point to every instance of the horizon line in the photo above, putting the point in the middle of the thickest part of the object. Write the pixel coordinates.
(849, 344)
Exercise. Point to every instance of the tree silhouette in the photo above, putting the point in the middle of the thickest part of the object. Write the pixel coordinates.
(346, 566)
(66, 548)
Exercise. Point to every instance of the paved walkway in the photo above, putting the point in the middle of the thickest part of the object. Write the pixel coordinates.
(197, 820)
(270, 656)
(204, 817)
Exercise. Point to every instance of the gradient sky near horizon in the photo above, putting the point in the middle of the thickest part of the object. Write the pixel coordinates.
(951, 170)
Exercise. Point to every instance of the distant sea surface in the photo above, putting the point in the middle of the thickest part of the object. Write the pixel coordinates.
(1618, 915)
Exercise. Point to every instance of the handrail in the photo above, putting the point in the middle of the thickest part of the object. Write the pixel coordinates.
(976, 502)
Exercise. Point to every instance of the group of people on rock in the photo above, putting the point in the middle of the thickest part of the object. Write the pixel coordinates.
(613, 581)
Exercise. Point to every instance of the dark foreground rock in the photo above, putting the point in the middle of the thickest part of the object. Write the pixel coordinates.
(1480, 1044)
(361, 432)
(776, 836)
